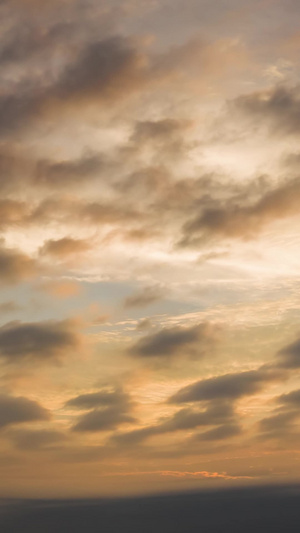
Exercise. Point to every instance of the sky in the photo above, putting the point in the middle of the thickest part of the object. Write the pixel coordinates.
(149, 248)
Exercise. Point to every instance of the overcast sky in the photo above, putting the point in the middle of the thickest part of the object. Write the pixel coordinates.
(149, 248)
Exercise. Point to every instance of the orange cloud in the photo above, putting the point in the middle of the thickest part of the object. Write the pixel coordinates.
(182, 474)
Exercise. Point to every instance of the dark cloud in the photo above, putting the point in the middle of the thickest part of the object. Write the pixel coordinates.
(184, 419)
(275, 425)
(109, 213)
(64, 247)
(16, 410)
(292, 398)
(227, 387)
(289, 357)
(108, 410)
(278, 107)
(103, 70)
(103, 419)
(66, 173)
(28, 41)
(144, 297)
(135, 436)
(282, 424)
(234, 219)
(170, 342)
(15, 266)
(102, 398)
(159, 129)
(225, 431)
(37, 341)
(167, 135)
(144, 324)
(30, 439)
(16, 109)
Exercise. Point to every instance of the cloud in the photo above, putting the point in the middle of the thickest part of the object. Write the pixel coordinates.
(103, 70)
(29, 439)
(12, 212)
(289, 357)
(102, 398)
(291, 398)
(109, 213)
(278, 107)
(171, 342)
(66, 173)
(16, 410)
(37, 341)
(144, 324)
(278, 424)
(281, 425)
(107, 68)
(167, 137)
(15, 266)
(159, 130)
(144, 297)
(102, 420)
(226, 387)
(225, 431)
(232, 219)
(64, 247)
(107, 410)
(9, 307)
(184, 419)
(92, 73)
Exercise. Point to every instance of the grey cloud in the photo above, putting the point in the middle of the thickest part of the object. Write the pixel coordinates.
(291, 161)
(144, 324)
(107, 410)
(16, 410)
(228, 386)
(182, 420)
(159, 129)
(16, 109)
(64, 247)
(66, 173)
(104, 70)
(282, 422)
(27, 41)
(15, 266)
(292, 398)
(136, 436)
(279, 426)
(102, 420)
(37, 341)
(36, 439)
(99, 213)
(189, 418)
(225, 431)
(102, 398)
(289, 357)
(101, 69)
(279, 107)
(234, 219)
(144, 297)
(167, 134)
(170, 342)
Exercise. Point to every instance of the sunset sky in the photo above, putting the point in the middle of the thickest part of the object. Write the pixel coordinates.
(149, 248)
